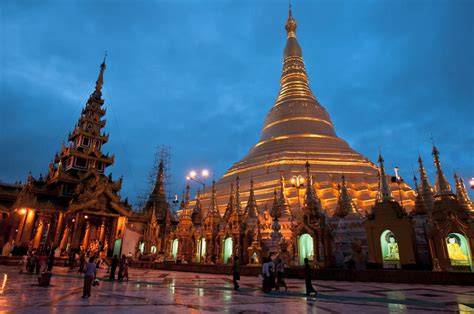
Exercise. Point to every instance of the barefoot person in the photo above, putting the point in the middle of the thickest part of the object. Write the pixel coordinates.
(236, 272)
(307, 278)
(280, 269)
(89, 276)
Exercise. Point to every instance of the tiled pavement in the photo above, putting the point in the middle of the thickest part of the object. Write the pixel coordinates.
(178, 292)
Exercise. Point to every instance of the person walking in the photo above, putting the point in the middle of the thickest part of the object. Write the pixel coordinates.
(236, 272)
(82, 263)
(125, 271)
(51, 260)
(89, 276)
(307, 278)
(113, 267)
(271, 270)
(122, 262)
(265, 275)
(280, 269)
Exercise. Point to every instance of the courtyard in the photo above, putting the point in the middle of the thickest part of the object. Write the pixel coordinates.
(182, 292)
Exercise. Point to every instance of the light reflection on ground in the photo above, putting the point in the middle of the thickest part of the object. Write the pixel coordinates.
(179, 292)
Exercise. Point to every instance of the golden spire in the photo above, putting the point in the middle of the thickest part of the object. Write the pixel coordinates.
(100, 80)
(385, 193)
(442, 186)
(290, 25)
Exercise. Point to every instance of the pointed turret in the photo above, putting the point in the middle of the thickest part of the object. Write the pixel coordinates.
(230, 205)
(186, 199)
(197, 210)
(312, 203)
(97, 94)
(213, 207)
(385, 193)
(442, 186)
(157, 198)
(283, 201)
(251, 210)
(83, 151)
(420, 205)
(238, 206)
(461, 193)
(345, 205)
(275, 211)
(425, 189)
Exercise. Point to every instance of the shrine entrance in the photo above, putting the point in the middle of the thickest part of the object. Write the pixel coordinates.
(305, 247)
(390, 250)
(227, 249)
(459, 253)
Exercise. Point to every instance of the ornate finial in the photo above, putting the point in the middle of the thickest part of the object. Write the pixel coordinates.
(345, 205)
(442, 186)
(100, 80)
(385, 193)
(290, 25)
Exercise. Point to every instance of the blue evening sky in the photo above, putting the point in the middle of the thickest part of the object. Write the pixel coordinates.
(200, 76)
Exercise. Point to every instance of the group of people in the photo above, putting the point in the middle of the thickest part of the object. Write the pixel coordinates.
(37, 262)
(122, 268)
(273, 275)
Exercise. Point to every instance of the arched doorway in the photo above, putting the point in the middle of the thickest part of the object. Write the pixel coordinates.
(390, 250)
(117, 247)
(201, 249)
(141, 248)
(458, 250)
(227, 249)
(305, 247)
(174, 248)
(153, 249)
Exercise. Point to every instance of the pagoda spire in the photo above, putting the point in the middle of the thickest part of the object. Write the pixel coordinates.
(461, 193)
(157, 198)
(237, 207)
(312, 203)
(283, 201)
(420, 204)
(251, 210)
(213, 207)
(196, 216)
(425, 189)
(385, 193)
(230, 205)
(100, 80)
(442, 186)
(345, 205)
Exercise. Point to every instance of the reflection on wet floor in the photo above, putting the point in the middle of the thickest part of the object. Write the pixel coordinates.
(179, 292)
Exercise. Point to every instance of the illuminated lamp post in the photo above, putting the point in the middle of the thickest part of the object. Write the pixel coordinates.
(199, 179)
(472, 183)
(298, 183)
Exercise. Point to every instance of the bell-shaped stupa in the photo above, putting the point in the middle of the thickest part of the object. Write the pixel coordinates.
(296, 130)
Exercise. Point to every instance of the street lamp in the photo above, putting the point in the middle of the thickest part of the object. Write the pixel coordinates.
(298, 183)
(472, 183)
(201, 179)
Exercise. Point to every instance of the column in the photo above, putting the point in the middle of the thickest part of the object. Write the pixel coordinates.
(39, 233)
(85, 240)
(59, 226)
(63, 243)
(112, 233)
(102, 232)
(27, 227)
(77, 231)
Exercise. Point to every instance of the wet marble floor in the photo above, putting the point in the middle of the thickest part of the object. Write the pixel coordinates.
(151, 291)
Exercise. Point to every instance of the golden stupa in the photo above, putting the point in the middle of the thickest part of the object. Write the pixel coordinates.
(298, 129)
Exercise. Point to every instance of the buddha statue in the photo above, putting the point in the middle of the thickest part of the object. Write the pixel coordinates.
(454, 250)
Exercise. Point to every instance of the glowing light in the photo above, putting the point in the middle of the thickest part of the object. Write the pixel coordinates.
(4, 283)
(472, 183)
(292, 180)
(73, 220)
(86, 216)
(205, 173)
(192, 174)
(188, 178)
(22, 211)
